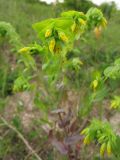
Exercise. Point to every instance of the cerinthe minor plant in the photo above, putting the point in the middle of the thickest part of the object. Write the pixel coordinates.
(57, 37)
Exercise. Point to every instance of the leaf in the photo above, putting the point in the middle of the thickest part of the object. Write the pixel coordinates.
(28, 60)
(21, 83)
(74, 14)
(65, 120)
(47, 128)
(113, 71)
(117, 61)
(57, 111)
(57, 23)
(100, 94)
(72, 139)
(73, 125)
(60, 146)
(115, 103)
(116, 148)
(17, 122)
(39, 26)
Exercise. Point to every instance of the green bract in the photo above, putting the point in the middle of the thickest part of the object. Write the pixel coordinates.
(102, 133)
(115, 102)
(70, 26)
(95, 18)
(113, 71)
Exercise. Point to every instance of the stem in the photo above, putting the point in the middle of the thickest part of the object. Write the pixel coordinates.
(101, 110)
(60, 117)
(21, 137)
(4, 81)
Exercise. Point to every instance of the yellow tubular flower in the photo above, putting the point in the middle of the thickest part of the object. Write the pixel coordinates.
(84, 131)
(52, 45)
(86, 140)
(109, 149)
(63, 37)
(102, 149)
(73, 27)
(104, 22)
(81, 21)
(48, 33)
(94, 84)
(97, 32)
(23, 50)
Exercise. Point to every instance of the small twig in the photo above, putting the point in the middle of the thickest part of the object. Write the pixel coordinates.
(60, 117)
(21, 137)
(83, 125)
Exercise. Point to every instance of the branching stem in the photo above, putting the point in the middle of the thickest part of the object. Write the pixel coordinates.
(21, 137)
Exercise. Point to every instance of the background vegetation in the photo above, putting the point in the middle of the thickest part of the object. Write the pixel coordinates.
(19, 109)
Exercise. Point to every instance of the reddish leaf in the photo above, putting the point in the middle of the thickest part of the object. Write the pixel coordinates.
(64, 123)
(48, 130)
(60, 146)
(65, 120)
(73, 125)
(72, 139)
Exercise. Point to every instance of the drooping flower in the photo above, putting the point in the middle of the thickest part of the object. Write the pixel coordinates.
(23, 50)
(73, 27)
(94, 84)
(86, 140)
(48, 33)
(102, 149)
(52, 45)
(97, 32)
(104, 22)
(81, 21)
(109, 149)
(63, 37)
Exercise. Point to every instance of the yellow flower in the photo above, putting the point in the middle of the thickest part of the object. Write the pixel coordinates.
(115, 103)
(73, 27)
(52, 45)
(83, 22)
(63, 37)
(86, 140)
(48, 33)
(104, 22)
(109, 149)
(94, 84)
(84, 131)
(102, 149)
(23, 50)
(97, 32)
